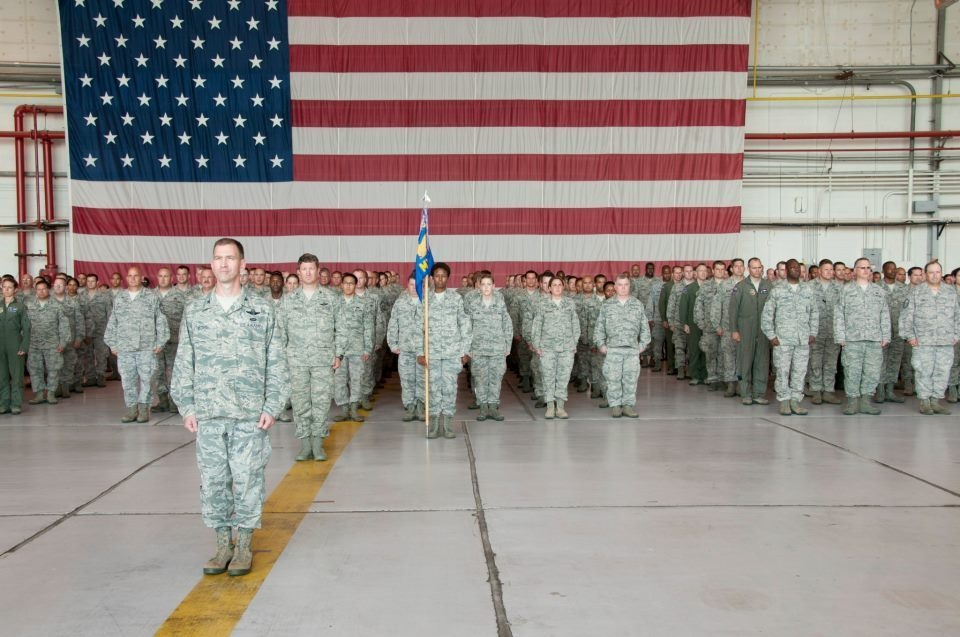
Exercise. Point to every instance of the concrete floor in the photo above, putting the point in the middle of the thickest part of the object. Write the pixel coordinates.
(701, 518)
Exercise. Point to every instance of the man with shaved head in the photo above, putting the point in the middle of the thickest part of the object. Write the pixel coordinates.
(136, 332)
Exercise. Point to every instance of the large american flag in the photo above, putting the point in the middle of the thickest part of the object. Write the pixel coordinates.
(580, 134)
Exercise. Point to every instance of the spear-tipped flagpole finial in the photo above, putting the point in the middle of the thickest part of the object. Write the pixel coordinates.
(426, 197)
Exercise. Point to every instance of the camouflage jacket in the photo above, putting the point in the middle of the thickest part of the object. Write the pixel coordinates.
(136, 324)
(229, 363)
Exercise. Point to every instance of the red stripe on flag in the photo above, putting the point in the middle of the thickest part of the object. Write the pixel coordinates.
(559, 113)
(403, 221)
(500, 269)
(426, 168)
(519, 8)
(519, 58)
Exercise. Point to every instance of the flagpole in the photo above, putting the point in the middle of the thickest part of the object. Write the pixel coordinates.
(426, 358)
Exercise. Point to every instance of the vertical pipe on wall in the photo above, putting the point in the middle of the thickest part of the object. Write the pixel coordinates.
(48, 204)
(19, 148)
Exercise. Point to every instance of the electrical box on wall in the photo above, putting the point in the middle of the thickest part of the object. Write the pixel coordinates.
(926, 207)
(875, 255)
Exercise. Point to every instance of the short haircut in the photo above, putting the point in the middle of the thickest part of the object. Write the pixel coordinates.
(824, 262)
(927, 267)
(752, 259)
(859, 260)
(183, 267)
(228, 241)
(840, 263)
(914, 268)
(720, 263)
(533, 272)
(733, 261)
(623, 276)
(306, 257)
(348, 277)
(440, 265)
(40, 281)
(886, 263)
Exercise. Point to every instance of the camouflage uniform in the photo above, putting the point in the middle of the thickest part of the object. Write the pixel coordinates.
(229, 370)
(14, 337)
(135, 329)
(704, 318)
(521, 328)
(74, 314)
(589, 311)
(49, 332)
(623, 329)
(371, 301)
(450, 338)
(355, 329)
(94, 352)
(697, 369)
(172, 304)
(405, 333)
(492, 330)
(555, 335)
(753, 352)
(641, 288)
(861, 321)
(676, 325)
(893, 353)
(666, 292)
(720, 316)
(790, 315)
(824, 351)
(651, 308)
(307, 330)
(932, 319)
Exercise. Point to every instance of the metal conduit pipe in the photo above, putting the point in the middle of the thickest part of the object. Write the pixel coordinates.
(48, 205)
(19, 115)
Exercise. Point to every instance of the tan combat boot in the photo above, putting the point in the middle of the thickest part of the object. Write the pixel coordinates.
(306, 450)
(143, 412)
(242, 560)
(318, 452)
(130, 415)
(561, 413)
(218, 563)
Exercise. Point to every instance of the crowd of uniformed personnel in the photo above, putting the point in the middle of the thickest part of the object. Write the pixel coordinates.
(728, 326)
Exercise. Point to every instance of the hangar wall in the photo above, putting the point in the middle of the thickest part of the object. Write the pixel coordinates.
(801, 198)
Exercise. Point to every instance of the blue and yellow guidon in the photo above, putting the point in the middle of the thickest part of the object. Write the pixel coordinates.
(424, 261)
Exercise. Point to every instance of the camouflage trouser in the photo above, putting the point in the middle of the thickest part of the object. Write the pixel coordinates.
(44, 359)
(954, 377)
(955, 368)
(376, 373)
(488, 373)
(931, 366)
(69, 372)
(411, 378)
(580, 365)
(823, 364)
(231, 455)
(94, 357)
(790, 363)
(556, 368)
(443, 385)
(367, 380)
(348, 381)
(621, 369)
(906, 364)
(137, 366)
(728, 359)
(892, 356)
(523, 358)
(656, 343)
(311, 389)
(537, 370)
(11, 377)
(710, 346)
(165, 360)
(862, 364)
(680, 347)
(597, 378)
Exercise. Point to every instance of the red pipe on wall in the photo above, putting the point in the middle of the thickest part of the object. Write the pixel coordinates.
(19, 134)
(48, 206)
(877, 135)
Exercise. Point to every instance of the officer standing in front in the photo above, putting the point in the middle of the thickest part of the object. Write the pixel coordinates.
(621, 333)
(230, 381)
(753, 352)
(14, 343)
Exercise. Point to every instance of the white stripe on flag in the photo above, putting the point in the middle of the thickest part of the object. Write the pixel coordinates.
(376, 249)
(518, 86)
(519, 30)
(518, 140)
(391, 195)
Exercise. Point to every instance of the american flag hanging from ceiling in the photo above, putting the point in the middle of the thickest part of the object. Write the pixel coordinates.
(578, 134)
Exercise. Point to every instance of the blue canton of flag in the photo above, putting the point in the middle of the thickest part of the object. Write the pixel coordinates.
(177, 90)
(424, 261)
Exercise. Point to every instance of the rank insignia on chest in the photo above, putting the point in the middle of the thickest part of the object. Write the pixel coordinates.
(753, 292)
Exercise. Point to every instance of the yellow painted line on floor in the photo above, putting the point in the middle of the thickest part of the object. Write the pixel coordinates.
(217, 602)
